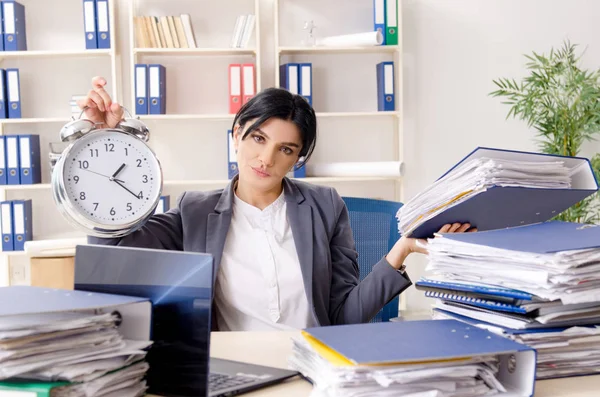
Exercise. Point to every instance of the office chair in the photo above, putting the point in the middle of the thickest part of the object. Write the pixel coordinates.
(375, 230)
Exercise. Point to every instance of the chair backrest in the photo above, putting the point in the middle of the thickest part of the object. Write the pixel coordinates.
(375, 230)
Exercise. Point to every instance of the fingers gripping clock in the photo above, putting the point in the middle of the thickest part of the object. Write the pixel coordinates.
(108, 181)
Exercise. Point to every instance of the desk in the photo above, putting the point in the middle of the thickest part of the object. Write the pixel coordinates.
(273, 348)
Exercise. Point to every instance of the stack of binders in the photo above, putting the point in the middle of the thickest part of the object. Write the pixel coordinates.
(412, 358)
(16, 224)
(242, 85)
(20, 160)
(96, 23)
(10, 94)
(64, 343)
(385, 19)
(14, 32)
(150, 89)
(522, 275)
(297, 79)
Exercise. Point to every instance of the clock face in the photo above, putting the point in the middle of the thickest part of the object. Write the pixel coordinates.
(111, 178)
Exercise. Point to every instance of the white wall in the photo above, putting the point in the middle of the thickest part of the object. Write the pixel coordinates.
(453, 49)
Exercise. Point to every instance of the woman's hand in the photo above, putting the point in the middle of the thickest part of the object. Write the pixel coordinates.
(100, 107)
(406, 246)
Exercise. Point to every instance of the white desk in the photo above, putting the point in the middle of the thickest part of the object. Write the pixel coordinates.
(273, 348)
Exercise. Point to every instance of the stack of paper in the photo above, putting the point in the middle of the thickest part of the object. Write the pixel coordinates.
(417, 358)
(474, 177)
(536, 284)
(73, 353)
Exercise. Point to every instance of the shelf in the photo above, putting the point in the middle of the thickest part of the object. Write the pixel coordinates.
(338, 50)
(194, 51)
(35, 186)
(54, 54)
(13, 253)
(357, 114)
(227, 117)
(40, 120)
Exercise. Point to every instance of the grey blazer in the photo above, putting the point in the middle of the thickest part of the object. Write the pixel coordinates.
(320, 225)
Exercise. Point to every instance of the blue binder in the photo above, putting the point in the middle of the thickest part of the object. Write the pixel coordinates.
(495, 293)
(477, 302)
(297, 173)
(379, 18)
(15, 32)
(13, 89)
(141, 89)
(514, 206)
(163, 205)
(29, 159)
(428, 341)
(157, 86)
(232, 166)
(385, 87)
(305, 81)
(1, 29)
(3, 169)
(22, 222)
(13, 175)
(3, 92)
(89, 24)
(289, 77)
(6, 221)
(102, 24)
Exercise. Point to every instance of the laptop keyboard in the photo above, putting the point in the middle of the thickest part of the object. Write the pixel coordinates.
(221, 381)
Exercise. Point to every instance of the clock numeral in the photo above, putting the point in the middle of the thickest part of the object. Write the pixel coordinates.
(109, 147)
(139, 163)
(112, 211)
(82, 196)
(95, 206)
(94, 152)
(126, 152)
(141, 195)
(76, 179)
(84, 164)
(145, 178)
(129, 207)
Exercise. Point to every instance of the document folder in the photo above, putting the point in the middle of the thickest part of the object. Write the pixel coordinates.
(499, 207)
(425, 342)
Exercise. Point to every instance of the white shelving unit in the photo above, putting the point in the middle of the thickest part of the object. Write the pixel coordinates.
(40, 67)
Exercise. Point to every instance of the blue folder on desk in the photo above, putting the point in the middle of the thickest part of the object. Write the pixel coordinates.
(428, 341)
(500, 207)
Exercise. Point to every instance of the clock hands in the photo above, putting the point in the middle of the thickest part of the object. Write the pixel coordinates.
(112, 178)
(123, 186)
(106, 176)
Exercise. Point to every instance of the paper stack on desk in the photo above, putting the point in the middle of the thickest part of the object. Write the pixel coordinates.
(493, 189)
(537, 284)
(441, 358)
(67, 353)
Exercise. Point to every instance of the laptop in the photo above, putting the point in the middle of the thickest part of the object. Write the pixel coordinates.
(180, 286)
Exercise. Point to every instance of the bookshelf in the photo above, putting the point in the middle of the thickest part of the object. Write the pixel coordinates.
(52, 54)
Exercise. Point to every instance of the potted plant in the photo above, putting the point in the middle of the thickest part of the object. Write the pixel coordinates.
(561, 101)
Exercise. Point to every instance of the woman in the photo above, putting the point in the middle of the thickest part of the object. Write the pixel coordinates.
(284, 248)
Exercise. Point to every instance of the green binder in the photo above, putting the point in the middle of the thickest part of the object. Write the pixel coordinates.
(29, 388)
(391, 22)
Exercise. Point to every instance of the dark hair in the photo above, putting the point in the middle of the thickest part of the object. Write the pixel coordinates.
(281, 104)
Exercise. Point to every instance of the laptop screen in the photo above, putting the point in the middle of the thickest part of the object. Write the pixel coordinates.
(179, 284)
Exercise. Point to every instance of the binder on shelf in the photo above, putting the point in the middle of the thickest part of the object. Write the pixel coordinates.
(3, 169)
(15, 32)
(379, 18)
(30, 167)
(1, 29)
(297, 173)
(22, 223)
(426, 342)
(141, 89)
(12, 160)
(157, 87)
(3, 99)
(232, 166)
(103, 24)
(385, 87)
(289, 77)
(89, 24)
(535, 204)
(6, 221)
(235, 88)
(163, 205)
(13, 89)
(391, 22)
(248, 82)
(306, 81)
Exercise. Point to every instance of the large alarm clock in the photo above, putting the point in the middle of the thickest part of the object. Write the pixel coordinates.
(108, 181)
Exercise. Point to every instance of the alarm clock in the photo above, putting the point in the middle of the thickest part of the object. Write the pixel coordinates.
(108, 181)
